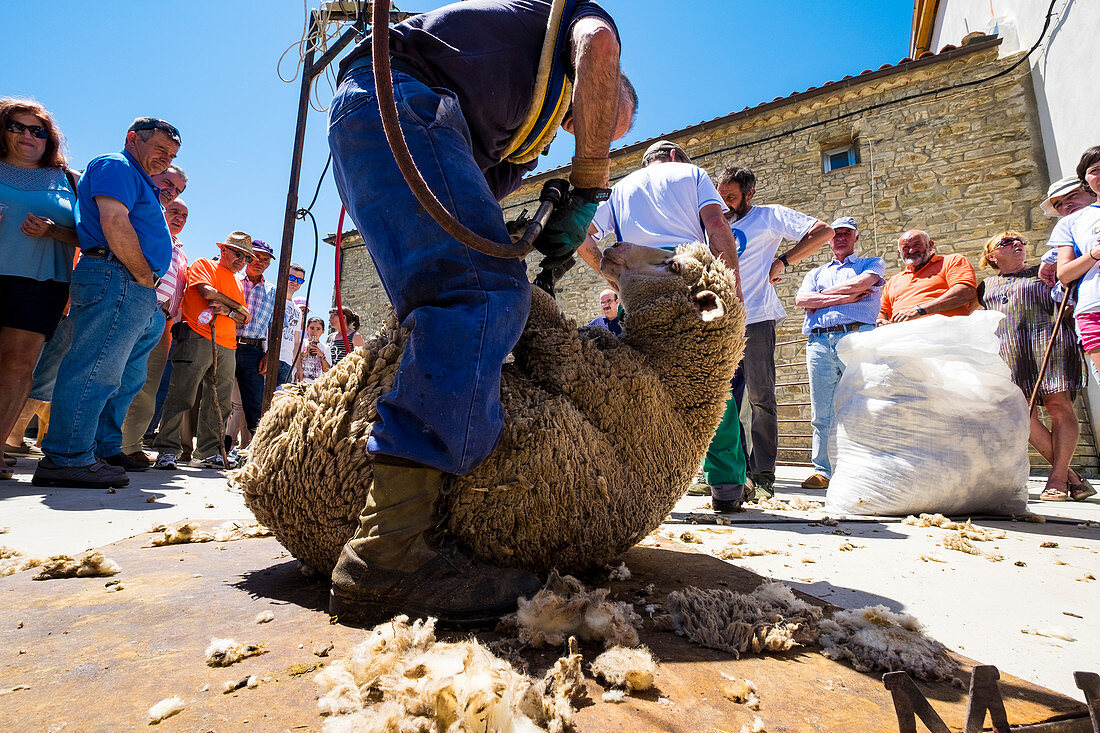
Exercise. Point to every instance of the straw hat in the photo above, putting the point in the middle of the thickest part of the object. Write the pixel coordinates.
(239, 241)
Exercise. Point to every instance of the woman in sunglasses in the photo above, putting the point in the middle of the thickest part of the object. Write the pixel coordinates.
(37, 245)
(1017, 291)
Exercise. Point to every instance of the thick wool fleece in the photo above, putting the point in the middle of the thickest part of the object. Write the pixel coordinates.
(601, 435)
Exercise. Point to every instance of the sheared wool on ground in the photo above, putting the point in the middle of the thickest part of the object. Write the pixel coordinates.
(224, 652)
(620, 573)
(91, 564)
(563, 608)
(264, 617)
(756, 726)
(742, 692)
(770, 619)
(966, 529)
(166, 708)
(189, 532)
(625, 667)
(401, 679)
(13, 561)
(875, 638)
(601, 436)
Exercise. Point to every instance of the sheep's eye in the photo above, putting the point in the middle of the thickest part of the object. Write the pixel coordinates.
(674, 267)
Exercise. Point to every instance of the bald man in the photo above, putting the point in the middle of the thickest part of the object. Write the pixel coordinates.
(930, 283)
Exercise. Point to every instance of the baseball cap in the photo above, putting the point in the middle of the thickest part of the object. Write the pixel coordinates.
(1059, 188)
(263, 248)
(845, 222)
(666, 145)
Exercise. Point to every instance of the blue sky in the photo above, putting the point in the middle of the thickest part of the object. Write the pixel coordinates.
(210, 68)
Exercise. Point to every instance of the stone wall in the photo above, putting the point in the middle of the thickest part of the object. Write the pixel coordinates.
(962, 164)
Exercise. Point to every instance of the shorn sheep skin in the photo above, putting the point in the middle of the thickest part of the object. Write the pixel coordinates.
(601, 434)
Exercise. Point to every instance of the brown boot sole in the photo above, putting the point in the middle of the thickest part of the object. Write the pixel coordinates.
(360, 612)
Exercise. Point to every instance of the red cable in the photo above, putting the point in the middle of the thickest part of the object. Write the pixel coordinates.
(339, 305)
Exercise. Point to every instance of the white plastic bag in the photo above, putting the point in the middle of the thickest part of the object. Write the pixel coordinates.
(927, 419)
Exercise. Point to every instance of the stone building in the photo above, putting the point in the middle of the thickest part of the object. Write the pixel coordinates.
(932, 143)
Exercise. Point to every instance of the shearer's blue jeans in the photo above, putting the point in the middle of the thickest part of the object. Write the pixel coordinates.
(825, 369)
(110, 313)
(465, 311)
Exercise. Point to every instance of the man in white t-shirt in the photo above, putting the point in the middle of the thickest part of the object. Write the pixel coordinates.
(669, 202)
(759, 232)
(292, 324)
(666, 203)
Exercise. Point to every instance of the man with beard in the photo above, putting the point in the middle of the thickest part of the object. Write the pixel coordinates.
(759, 232)
(930, 283)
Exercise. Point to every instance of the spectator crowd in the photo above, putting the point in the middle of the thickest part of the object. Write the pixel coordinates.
(111, 336)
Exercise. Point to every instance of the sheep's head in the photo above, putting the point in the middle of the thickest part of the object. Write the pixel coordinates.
(651, 280)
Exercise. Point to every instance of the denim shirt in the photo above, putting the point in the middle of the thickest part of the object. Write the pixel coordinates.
(837, 273)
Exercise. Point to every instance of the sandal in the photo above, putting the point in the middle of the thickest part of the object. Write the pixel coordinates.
(1081, 491)
(6, 473)
(1053, 493)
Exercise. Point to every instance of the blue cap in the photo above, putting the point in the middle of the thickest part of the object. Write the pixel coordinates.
(845, 222)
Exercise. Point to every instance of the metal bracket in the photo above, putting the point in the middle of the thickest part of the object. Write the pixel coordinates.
(1089, 683)
(910, 703)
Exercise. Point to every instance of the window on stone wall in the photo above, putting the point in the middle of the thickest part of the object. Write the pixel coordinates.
(841, 157)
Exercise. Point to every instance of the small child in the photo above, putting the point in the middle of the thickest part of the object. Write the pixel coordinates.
(314, 360)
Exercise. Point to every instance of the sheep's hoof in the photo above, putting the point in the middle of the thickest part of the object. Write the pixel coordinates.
(459, 591)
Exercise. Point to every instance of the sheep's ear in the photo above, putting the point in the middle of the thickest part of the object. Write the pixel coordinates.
(709, 305)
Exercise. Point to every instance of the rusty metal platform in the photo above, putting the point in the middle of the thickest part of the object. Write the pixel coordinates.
(96, 661)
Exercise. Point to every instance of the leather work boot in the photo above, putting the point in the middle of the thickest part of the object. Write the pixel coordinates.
(399, 562)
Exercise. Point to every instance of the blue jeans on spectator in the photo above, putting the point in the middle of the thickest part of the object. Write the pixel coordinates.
(162, 390)
(49, 361)
(825, 369)
(284, 372)
(250, 383)
(109, 434)
(465, 311)
(110, 313)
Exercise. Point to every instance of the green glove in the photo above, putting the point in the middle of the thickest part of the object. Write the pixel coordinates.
(568, 225)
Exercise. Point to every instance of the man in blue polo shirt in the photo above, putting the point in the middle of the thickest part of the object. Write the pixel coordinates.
(840, 296)
(126, 246)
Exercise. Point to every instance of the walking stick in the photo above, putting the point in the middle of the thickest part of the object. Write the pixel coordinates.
(214, 386)
(1046, 354)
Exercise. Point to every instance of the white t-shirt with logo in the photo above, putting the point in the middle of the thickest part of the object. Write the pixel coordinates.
(292, 325)
(659, 205)
(1081, 229)
(759, 234)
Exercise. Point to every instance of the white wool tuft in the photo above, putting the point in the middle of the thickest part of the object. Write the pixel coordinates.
(742, 692)
(875, 638)
(614, 696)
(13, 561)
(224, 652)
(563, 608)
(401, 679)
(89, 565)
(166, 708)
(623, 667)
(620, 573)
(225, 532)
(264, 617)
(757, 726)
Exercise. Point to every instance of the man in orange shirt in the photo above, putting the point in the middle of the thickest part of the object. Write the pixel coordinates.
(213, 299)
(930, 283)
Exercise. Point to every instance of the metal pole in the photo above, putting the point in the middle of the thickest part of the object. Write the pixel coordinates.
(310, 71)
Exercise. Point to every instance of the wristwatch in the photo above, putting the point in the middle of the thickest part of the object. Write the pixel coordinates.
(921, 311)
(783, 258)
(592, 195)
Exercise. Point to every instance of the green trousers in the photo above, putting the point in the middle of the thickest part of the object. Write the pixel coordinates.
(725, 460)
(191, 361)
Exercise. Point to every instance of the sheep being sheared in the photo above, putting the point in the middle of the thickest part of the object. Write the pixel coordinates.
(601, 434)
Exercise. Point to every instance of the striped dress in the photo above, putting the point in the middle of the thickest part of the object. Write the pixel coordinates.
(336, 346)
(1025, 332)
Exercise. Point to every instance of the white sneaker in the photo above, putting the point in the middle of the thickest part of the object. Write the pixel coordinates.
(214, 461)
(166, 462)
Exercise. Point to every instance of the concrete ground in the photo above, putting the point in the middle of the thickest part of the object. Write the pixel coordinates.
(1019, 613)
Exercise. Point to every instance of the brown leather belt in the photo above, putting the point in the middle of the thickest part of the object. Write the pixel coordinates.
(250, 342)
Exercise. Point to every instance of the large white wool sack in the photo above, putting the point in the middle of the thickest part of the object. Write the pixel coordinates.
(927, 419)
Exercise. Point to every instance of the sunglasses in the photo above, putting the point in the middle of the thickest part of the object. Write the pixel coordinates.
(294, 279)
(1009, 241)
(37, 131)
(240, 255)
